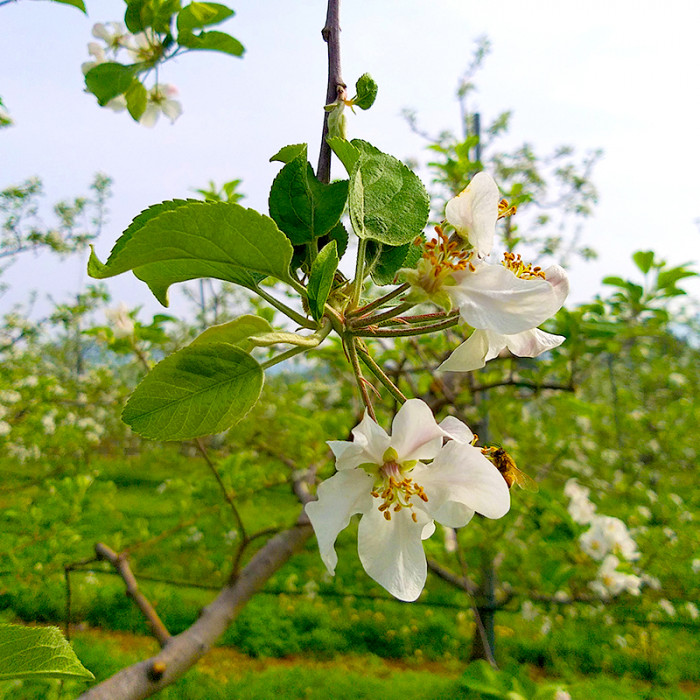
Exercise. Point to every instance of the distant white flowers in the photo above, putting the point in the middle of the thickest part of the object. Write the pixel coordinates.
(386, 478)
(145, 48)
(606, 540)
(120, 321)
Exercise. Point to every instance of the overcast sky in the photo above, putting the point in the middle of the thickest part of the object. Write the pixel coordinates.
(620, 76)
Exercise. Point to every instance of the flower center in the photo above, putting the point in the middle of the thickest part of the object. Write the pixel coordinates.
(441, 257)
(520, 269)
(395, 490)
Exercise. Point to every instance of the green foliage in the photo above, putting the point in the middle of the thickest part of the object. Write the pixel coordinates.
(383, 261)
(235, 332)
(303, 207)
(198, 15)
(321, 279)
(107, 80)
(194, 240)
(387, 201)
(79, 4)
(366, 90)
(38, 652)
(202, 389)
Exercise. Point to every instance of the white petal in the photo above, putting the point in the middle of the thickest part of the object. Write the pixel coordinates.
(150, 116)
(348, 455)
(172, 109)
(373, 438)
(471, 354)
(532, 343)
(474, 212)
(339, 498)
(414, 432)
(456, 430)
(461, 474)
(493, 298)
(391, 552)
(557, 277)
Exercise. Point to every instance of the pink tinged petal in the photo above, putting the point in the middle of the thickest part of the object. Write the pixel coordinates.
(472, 353)
(557, 277)
(493, 298)
(532, 343)
(391, 552)
(339, 498)
(474, 212)
(461, 474)
(455, 430)
(414, 432)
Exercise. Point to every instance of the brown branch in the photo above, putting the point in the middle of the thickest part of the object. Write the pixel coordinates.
(121, 563)
(182, 651)
(445, 574)
(336, 86)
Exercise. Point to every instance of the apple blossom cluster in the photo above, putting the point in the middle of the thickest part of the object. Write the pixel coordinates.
(120, 321)
(606, 540)
(402, 484)
(504, 303)
(144, 47)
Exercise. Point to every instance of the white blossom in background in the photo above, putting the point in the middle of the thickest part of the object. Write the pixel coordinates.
(160, 100)
(121, 323)
(695, 566)
(667, 607)
(608, 535)
(692, 610)
(5, 428)
(387, 480)
(610, 582)
(581, 508)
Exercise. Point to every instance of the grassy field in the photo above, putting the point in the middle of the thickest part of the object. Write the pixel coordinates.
(306, 632)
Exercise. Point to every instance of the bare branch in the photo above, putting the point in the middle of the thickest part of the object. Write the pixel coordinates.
(182, 651)
(121, 563)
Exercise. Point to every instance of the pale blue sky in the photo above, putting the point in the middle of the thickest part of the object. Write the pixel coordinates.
(620, 76)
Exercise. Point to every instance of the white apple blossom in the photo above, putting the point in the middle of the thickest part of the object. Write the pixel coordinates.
(474, 212)
(385, 478)
(611, 582)
(144, 47)
(667, 606)
(114, 34)
(606, 535)
(505, 304)
(160, 99)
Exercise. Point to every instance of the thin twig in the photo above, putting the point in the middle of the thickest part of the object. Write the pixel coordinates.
(335, 88)
(361, 381)
(121, 563)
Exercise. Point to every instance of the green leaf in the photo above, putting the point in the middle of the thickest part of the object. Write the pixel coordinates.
(198, 239)
(668, 278)
(387, 201)
(235, 332)
(133, 17)
(136, 99)
(346, 152)
(366, 90)
(289, 153)
(303, 207)
(107, 80)
(203, 389)
(385, 261)
(321, 279)
(212, 41)
(616, 282)
(201, 14)
(37, 652)
(643, 260)
(75, 3)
